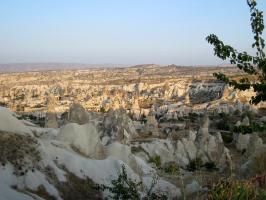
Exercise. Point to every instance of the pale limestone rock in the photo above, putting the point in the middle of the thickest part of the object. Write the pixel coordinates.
(51, 120)
(9, 123)
(106, 140)
(122, 152)
(238, 123)
(77, 114)
(157, 147)
(192, 188)
(181, 154)
(255, 144)
(242, 141)
(211, 147)
(119, 127)
(263, 119)
(84, 138)
(151, 125)
(190, 148)
(203, 133)
(245, 121)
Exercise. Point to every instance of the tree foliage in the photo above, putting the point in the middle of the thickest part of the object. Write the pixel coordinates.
(125, 188)
(251, 65)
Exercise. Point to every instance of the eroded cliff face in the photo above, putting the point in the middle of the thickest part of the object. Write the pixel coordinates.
(205, 91)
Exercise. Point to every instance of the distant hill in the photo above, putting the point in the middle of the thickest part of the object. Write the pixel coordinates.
(24, 67)
(20, 67)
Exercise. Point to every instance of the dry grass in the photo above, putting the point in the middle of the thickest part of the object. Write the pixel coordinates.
(41, 192)
(78, 189)
(258, 165)
(20, 151)
(75, 188)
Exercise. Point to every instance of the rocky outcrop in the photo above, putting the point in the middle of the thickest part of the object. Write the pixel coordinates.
(77, 114)
(117, 126)
(51, 120)
(211, 147)
(9, 123)
(83, 138)
(242, 141)
(200, 92)
(122, 152)
(200, 145)
(151, 126)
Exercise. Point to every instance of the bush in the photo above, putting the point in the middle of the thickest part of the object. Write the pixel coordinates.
(193, 117)
(195, 164)
(171, 168)
(258, 127)
(124, 188)
(223, 125)
(156, 160)
(102, 110)
(227, 137)
(211, 166)
(254, 127)
(236, 190)
(242, 129)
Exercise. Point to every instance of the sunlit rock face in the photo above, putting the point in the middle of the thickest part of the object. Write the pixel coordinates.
(104, 89)
(51, 120)
(77, 114)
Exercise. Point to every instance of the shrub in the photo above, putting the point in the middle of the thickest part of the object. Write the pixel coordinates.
(124, 188)
(195, 164)
(223, 125)
(156, 160)
(254, 127)
(237, 113)
(102, 110)
(193, 117)
(172, 168)
(227, 137)
(258, 127)
(242, 129)
(210, 166)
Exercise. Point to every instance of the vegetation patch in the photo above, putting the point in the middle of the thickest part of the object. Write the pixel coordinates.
(236, 189)
(75, 188)
(227, 137)
(127, 189)
(20, 151)
(210, 166)
(171, 168)
(41, 192)
(78, 189)
(156, 160)
(195, 164)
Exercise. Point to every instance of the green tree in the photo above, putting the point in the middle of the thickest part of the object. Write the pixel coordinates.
(254, 66)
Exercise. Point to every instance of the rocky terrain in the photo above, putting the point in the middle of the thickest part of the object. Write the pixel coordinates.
(64, 132)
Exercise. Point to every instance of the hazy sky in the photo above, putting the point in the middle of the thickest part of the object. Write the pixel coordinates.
(121, 31)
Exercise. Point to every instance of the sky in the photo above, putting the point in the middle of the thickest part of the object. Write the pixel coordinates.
(121, 31)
